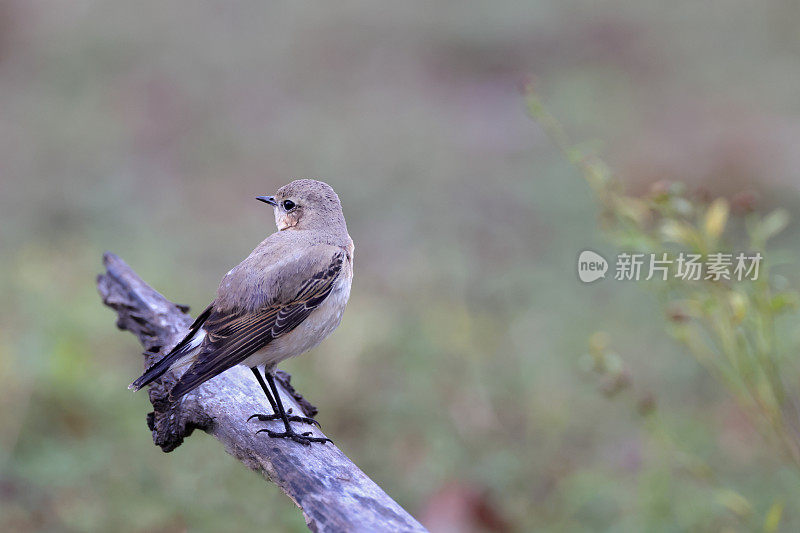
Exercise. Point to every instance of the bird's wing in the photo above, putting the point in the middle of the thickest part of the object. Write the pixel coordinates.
(233, 335)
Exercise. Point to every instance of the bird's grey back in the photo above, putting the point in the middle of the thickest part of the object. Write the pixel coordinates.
(268, 274)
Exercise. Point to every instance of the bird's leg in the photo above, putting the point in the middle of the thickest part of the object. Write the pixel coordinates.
(275, 411)
(302, 438)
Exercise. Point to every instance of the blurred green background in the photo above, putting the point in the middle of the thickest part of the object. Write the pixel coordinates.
(454, 381)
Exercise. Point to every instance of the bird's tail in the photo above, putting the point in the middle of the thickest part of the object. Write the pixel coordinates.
(152, 373)
(176, 358)
(183, 350)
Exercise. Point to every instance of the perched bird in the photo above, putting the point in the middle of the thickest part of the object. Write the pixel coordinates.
(284, 299)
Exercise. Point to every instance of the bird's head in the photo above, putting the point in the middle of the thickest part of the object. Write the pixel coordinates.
(305, 204)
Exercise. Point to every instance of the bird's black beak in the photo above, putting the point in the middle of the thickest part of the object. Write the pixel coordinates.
(267, 200)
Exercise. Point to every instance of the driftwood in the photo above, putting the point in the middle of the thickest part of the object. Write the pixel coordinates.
(333, 493)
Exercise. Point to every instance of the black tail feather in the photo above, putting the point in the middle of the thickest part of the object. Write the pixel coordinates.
(155, 371)
(181, 349)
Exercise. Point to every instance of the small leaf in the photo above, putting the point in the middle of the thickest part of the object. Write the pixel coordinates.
(774, 223)
(734, 502)
(783, 301)
(632, 209)
(682, 206)
(738, 303)
(716, 218)
(773, 518)
(678, 232)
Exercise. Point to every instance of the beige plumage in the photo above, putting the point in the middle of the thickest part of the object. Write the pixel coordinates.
(285, 298)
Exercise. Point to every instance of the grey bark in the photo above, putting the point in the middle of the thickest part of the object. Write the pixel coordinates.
(333, 493)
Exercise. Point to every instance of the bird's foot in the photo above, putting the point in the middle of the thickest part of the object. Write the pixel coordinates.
(303, 438)
(292, 418)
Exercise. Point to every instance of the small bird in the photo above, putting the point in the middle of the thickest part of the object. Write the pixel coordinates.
(283, 300)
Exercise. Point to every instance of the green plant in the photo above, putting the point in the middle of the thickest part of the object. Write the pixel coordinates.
(728, 325)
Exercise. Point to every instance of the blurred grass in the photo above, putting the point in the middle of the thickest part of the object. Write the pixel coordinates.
(726, 316)
(148, 128)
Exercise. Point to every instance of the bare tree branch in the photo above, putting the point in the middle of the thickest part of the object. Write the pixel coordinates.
(333, 493)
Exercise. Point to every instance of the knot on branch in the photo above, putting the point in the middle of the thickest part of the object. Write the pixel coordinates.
(171, 422)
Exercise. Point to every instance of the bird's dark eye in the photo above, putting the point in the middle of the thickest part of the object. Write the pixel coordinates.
(288, 205)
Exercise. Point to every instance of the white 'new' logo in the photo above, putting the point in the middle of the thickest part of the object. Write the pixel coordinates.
(591, 266)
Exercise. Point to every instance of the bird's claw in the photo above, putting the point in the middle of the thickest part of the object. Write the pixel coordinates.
(303, 438)
(292, 418)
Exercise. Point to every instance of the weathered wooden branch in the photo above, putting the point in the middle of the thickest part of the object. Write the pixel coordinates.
(333, 493)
